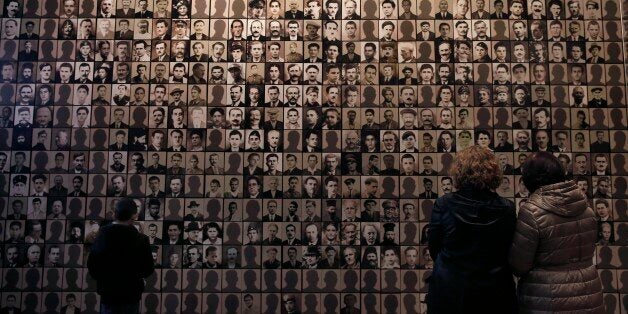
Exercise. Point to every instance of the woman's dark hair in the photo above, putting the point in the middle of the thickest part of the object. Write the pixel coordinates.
(125, 209)
(424, 233)
(214, 225)
(541, 168)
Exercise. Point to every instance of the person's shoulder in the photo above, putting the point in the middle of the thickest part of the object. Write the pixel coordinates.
(119, 228)
(507, 204)
(530, 205)
(444, 200)
(451, 201)
(142, 237)
(107, 228)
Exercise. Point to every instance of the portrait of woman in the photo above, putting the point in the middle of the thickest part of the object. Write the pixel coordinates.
(390, 258)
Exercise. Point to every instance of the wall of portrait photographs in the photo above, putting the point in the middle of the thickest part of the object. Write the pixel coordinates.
(286, 154)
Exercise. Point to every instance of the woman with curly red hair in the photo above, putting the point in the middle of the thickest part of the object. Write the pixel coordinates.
(470, 232)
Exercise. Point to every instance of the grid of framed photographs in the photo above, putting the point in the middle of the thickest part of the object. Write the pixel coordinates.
(286, 154)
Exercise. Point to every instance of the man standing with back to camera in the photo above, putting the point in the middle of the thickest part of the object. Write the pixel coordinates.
(119, 261)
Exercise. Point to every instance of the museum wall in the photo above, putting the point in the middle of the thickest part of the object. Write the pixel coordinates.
(287, 154)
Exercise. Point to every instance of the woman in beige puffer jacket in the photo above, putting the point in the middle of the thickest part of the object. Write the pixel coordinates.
(554, 243)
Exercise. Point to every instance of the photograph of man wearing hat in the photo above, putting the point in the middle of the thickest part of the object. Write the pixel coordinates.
(481, 49)
(311, 257)
(540, 101)
(350, 190)
(271, 261)
(312, 29)
(371, 212)
(408, 78)
(193, 212)
(102, 75)
(390, 235)
(502, 92)
(388, 52)
(369, 259)
(20, 185)
(193, 231)
(253, 235)
(176, 94)
(235, 54)
(330, 260)
(180, 30)
(409, 119)
(236, 74)
(597, 101)
(595, 50)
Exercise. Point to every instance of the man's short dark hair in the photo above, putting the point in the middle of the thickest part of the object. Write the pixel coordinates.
(125, 209)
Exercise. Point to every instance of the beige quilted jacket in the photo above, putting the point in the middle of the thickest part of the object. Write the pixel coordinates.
(552, 252)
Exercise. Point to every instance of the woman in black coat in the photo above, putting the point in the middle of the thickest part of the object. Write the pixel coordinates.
(469, 238)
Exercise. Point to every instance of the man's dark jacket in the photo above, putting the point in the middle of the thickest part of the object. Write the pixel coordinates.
(119, 261)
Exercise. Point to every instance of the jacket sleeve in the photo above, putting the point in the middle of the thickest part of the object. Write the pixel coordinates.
(524, 242)
(146, 265)
(94, 262)
(436, 232)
